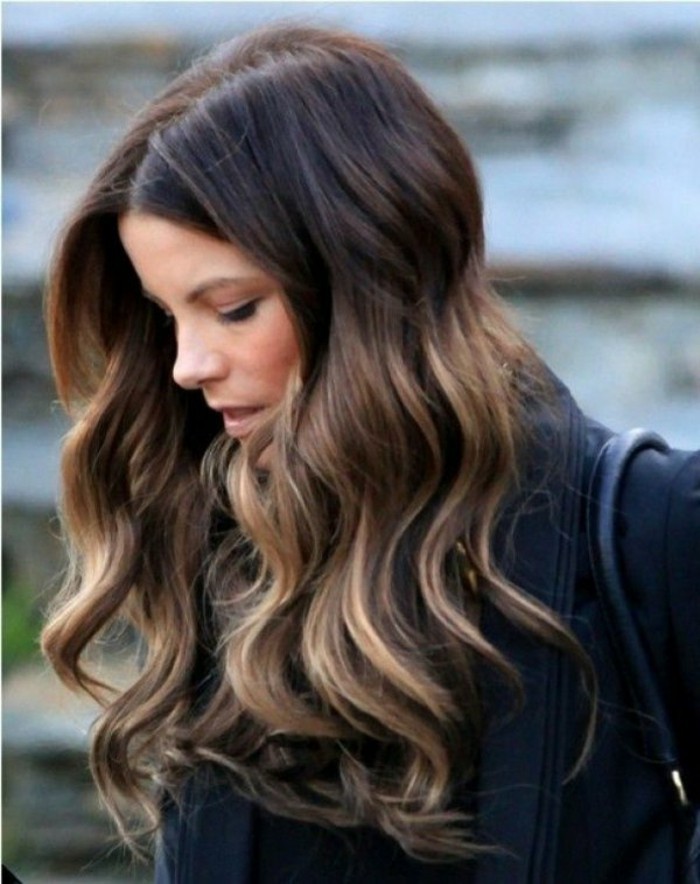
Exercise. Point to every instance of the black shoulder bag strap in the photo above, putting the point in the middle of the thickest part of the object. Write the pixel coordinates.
(613, 460)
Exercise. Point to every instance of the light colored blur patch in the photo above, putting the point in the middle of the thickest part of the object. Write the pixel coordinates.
(630, 361)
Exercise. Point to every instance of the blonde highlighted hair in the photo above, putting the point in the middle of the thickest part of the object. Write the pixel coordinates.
(334, 598)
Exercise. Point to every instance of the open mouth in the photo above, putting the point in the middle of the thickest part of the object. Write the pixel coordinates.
(239, 421)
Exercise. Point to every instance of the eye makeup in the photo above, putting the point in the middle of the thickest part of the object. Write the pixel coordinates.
(239, 314)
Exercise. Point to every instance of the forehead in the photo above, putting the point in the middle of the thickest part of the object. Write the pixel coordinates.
(173, 259)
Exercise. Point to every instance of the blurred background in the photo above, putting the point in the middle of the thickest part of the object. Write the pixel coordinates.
(584, 119)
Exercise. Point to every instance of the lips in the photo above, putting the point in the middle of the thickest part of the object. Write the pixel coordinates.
(239, 421)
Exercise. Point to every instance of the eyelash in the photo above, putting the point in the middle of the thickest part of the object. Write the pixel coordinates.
(240, 314)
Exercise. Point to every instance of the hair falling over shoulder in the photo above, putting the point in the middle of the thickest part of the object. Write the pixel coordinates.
(326, 596)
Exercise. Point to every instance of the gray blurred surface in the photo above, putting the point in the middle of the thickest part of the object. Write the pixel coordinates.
(487, 25)
(585, 117)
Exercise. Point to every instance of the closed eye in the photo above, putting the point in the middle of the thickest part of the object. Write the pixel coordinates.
(240, 314)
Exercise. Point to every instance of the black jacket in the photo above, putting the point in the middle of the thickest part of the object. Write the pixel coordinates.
(619, 821)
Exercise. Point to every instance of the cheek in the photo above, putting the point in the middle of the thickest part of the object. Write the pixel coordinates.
(279, 354)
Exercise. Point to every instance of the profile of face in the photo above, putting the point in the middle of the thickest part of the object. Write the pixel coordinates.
(235, 339)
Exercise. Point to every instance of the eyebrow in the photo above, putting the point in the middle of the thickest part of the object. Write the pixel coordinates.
(210, 284)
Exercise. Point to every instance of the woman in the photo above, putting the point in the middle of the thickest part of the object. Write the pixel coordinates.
(342, 502)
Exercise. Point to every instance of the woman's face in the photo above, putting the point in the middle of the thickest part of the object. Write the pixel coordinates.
(235, 339)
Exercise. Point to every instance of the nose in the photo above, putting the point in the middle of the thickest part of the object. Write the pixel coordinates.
(197, 363)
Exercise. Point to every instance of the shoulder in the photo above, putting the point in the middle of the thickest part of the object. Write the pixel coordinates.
(652, 492)
(659, 520)
(648, 497)
(659, 544)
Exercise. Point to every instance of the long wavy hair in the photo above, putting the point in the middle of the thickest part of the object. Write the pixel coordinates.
(312, 629)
